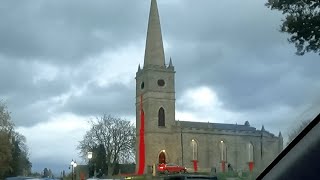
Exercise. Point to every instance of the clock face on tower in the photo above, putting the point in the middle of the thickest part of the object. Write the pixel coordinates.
(161, 82)
(142, 85)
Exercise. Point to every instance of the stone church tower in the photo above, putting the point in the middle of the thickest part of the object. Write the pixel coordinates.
(155, 84)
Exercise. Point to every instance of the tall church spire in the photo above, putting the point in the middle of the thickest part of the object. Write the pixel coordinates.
(154, 52)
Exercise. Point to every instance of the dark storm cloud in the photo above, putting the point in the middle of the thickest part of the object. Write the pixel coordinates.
(245, 81)
(238, 51)
(68, 31)
(63, 34)
(245, 24)
(27, 99)
(116, 99)
(13, 76)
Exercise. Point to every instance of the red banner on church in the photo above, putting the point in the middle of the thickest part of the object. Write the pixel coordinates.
(195, 165)
(251, 166)
(141, 142)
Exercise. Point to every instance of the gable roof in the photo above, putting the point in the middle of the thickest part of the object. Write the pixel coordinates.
(220, 126)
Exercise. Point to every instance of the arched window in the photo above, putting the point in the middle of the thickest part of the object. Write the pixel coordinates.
(223, 151)
(250, 152)
(161, 117)
(194, 146)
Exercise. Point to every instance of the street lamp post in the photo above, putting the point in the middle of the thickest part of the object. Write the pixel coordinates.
(73, 164)
(89, 164)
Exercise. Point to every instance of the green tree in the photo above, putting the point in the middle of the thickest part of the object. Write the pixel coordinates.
(45, 172)
(20, 162)
(114, 136)
(63, 173)
(13, 150)
(5, 154)
(100, 160)
(50, 173)
(6, 128)
(35, 174)
(6, 124)
(302, 22)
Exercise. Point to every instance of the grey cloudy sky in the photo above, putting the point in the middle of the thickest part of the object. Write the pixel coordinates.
(64, 62)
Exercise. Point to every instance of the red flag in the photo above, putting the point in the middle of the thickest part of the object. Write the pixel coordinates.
(141, 143)
(223, 166)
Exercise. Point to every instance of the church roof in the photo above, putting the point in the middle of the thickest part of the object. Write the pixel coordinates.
(219, 126)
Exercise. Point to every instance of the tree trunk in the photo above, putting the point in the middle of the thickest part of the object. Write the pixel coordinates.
(110, 169)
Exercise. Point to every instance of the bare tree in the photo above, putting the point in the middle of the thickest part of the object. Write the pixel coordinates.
(304, 118)
(115, 134)
(296, 131)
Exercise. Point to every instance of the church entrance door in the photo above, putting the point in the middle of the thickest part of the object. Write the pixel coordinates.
(162, 158)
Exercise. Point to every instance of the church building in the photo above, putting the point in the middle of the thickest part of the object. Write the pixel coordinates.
(163, 139)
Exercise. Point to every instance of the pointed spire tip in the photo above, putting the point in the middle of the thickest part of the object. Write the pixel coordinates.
(139, 68)
(170, 63)
(154, 52)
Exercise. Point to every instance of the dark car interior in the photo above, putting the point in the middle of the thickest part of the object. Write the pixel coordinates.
(300, 159)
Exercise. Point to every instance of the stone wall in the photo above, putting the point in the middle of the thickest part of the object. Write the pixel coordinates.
(209, 151)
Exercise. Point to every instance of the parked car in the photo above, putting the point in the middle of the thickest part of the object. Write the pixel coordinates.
(171, 168)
